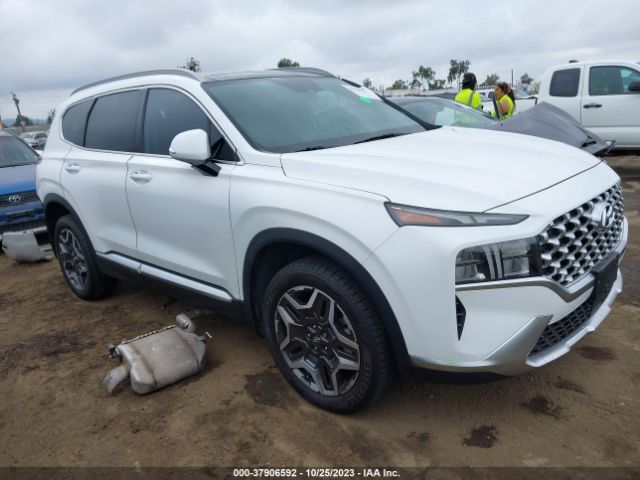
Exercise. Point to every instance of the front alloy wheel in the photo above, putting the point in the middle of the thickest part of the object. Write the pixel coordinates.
(317, 340)
(325, 336)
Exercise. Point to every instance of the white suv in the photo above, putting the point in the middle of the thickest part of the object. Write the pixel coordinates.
(359, 241)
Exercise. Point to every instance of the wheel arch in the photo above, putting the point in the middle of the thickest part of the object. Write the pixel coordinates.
(271, 249)
(56, 207)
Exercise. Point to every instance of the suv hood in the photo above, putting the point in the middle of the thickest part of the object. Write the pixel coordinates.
(450, 169)
(21, 178)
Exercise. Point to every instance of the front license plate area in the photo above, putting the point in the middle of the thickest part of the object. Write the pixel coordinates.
(606, 273)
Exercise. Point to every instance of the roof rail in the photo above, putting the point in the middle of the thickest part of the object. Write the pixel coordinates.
(317, 71)
(181, 73)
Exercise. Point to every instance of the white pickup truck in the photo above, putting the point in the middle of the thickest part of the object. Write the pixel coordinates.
(604, 96)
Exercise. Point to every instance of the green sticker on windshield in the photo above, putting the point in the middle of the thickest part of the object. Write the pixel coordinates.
(365, 100)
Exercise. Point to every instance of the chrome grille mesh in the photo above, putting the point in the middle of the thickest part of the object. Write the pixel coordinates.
(572, 244)
(564, 328)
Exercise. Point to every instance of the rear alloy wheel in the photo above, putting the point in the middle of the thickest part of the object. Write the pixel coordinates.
(78, 261)
(72, 261)
(325, 336)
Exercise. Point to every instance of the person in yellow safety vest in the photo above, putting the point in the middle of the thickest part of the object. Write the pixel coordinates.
(505, 100)
(468, 95)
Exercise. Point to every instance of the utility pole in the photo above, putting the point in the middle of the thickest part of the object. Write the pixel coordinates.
(512, 77)
(192, 65)
(16, 100)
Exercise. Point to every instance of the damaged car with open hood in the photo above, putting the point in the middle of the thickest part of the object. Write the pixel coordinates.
(542, 120)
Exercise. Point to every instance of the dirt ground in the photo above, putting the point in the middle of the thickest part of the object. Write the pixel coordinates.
(583, 410)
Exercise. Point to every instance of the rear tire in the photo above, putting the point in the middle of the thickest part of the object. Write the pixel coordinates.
(326, 337)
(78, 261)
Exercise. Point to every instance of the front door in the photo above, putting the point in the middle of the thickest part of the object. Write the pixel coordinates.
(181, 215)
(609, 109)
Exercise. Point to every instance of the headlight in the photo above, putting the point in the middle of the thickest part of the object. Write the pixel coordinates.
(405, 215)
(498, 261)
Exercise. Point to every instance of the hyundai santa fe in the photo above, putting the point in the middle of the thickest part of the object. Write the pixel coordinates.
(359, 240)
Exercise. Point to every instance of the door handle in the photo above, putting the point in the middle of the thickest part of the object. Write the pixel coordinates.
(140, 176)
(592, 105)
(72, 168)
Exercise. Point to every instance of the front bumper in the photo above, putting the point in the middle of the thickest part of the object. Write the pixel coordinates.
(514, 357)
(504, 319)
(26, 217)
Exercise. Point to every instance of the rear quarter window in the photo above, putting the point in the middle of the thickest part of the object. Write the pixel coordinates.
(74, 122)
(564, 83)
(112, 122)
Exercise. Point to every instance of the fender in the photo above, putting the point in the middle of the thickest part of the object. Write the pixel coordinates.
(342, 258)
(55, 198)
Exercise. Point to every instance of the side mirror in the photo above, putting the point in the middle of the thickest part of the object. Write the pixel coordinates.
(634, 86)
(191, 146)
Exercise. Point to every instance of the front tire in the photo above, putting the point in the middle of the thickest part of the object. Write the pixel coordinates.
(325, 336)
(78, 261)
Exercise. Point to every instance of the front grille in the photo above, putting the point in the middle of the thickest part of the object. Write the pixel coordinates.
(572, 245)
(19, 227)
(19, 198)
(562, 329)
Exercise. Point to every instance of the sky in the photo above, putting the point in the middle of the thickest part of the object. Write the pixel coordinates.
(50, 47)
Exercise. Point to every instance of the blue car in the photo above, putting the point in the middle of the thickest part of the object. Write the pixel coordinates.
(20, 207)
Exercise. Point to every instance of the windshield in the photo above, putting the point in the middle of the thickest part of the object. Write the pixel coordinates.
(297, 113)
(446, 112)
(13, 152)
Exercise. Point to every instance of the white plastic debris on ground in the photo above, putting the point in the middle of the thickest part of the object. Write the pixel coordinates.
(23, 247)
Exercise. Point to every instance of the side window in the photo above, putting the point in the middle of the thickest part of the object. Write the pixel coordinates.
(611, 80)
(74, 122)
(169, 113)
(112, 122)
(564, 83)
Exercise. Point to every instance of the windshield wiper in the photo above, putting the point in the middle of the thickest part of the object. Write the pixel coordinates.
(380, 137)
(308, 149)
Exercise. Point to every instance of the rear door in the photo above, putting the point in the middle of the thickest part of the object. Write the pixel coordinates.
(94, 171)
(564, 90)
(181, 215)
(609, 109)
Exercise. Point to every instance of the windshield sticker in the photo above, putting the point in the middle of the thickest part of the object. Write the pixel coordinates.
(363, 93)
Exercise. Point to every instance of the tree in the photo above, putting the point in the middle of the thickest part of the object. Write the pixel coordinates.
(437, 84)
(457, 68)
(287, 62)
(367, 83)
(415, 82)
(50, 115)
(525, 79)
(427, 74)
(27, 121)
(534, 88)
(491, 80)
(399, 85)
(421, 76)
